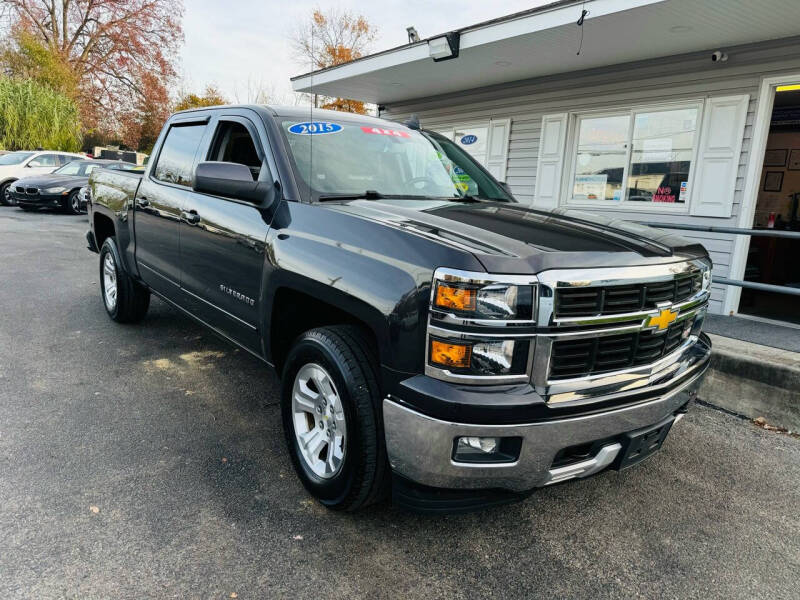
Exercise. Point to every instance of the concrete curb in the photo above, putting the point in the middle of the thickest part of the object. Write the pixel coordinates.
(754, 380)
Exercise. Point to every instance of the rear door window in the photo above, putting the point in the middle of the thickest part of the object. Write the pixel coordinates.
(176, 158)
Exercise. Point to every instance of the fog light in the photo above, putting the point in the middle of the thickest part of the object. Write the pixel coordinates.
(479, 445)
(473, 449)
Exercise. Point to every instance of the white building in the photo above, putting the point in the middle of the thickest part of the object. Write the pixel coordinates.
(664, 116)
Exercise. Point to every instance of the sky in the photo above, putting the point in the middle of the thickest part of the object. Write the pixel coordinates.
(242, 46)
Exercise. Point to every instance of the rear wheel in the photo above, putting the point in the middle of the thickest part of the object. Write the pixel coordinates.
(126, 301)
(5, 196)
(72, 204)
(329, 403)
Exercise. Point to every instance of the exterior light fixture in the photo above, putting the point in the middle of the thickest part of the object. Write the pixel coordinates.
(444, 47)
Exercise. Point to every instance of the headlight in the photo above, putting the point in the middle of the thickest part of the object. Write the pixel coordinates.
(706, 279)
(55, 190)
(479, 357)
(474, 299)
(463, 306)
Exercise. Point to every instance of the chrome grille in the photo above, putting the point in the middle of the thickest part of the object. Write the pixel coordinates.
(589, 356)
(615, 299)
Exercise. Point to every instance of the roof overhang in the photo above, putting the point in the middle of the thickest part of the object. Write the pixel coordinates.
(545, 42)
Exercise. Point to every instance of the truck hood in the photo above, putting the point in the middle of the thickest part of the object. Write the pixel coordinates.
(511, 238)
(52, 180)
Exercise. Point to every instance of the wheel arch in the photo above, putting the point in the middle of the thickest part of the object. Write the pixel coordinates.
(295, 309)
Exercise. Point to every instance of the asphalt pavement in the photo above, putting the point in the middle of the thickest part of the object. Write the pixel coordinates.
(148, 461)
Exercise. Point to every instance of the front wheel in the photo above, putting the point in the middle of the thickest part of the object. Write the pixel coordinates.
(72, 205)
(329, 403)
(126, 301)
(5, 195)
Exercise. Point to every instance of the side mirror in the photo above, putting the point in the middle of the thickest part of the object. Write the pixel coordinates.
(506, 187)
(231, 180)
(34, 163)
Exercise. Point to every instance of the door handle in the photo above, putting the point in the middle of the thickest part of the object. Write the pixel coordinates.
(191, 217)
(143, 201)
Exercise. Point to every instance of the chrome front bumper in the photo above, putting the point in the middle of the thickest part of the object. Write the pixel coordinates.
(420, 447)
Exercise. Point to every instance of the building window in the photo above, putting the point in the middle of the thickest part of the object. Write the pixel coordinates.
(634, 157)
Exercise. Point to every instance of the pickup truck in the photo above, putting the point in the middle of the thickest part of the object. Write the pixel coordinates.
(436, 340)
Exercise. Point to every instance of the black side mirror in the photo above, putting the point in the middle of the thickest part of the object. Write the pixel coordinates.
(232, 180)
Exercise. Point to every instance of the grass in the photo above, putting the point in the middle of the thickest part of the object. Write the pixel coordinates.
(34, 116)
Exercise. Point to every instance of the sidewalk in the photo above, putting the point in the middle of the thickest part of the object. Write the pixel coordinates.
(755, 370)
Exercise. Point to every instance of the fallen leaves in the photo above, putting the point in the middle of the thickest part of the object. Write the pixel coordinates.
(762, 423)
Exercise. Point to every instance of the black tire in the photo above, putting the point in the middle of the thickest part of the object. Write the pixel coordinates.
(4, 198)
(132, 299)
(72, 203)
(343, 351)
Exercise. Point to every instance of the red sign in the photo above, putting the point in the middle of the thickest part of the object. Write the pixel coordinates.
(664, 194)
(382, 131)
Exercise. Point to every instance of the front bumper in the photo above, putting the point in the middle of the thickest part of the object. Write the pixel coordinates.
(39, 200)
(420, 447)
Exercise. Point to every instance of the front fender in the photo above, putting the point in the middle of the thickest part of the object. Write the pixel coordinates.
(380, 275)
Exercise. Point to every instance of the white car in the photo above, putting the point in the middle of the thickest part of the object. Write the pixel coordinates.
(28, 163)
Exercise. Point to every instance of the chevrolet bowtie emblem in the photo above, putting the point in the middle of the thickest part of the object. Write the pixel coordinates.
(663, 319)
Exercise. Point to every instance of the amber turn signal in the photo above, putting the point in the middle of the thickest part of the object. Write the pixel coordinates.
(456, 298)
(450, 355)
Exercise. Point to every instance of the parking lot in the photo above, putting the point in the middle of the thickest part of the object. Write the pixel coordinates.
(148, 461)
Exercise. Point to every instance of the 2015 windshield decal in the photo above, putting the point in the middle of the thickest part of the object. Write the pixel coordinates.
(315, 128)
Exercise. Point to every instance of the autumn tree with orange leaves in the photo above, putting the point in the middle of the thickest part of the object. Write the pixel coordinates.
(331, 38)
(119, 56)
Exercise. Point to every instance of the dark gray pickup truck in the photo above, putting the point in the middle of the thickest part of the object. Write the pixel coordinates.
(435, 339)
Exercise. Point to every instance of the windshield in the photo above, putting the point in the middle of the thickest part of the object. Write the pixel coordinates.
(350, 159)
(76, 168)
(14, 158)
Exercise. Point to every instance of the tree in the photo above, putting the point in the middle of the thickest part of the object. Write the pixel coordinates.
(122, 53)
(33, 115)
(211, 97)
(25, 57)
(332, 38)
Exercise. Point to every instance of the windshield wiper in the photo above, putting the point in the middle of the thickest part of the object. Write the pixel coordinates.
(367, 195)
(465, 198)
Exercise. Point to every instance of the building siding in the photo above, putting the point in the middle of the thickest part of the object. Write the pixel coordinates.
(687, 77)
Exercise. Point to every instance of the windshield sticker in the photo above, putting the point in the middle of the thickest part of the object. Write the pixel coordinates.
(469, 139)
(391, 132)
(315, 128)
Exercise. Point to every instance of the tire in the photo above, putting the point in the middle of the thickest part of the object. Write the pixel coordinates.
(130, 300)
(342, 353)
(72, 203)
(5, 199)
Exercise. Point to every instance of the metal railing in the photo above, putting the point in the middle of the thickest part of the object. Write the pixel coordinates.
(753, 285)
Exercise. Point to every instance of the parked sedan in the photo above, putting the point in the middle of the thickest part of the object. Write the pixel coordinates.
(18, 165)
(60, 189)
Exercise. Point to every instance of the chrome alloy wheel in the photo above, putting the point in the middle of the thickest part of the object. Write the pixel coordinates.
(109, 282)
(319, 422)
(75, 203)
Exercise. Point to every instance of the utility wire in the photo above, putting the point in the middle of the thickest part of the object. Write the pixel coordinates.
(584, 12)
